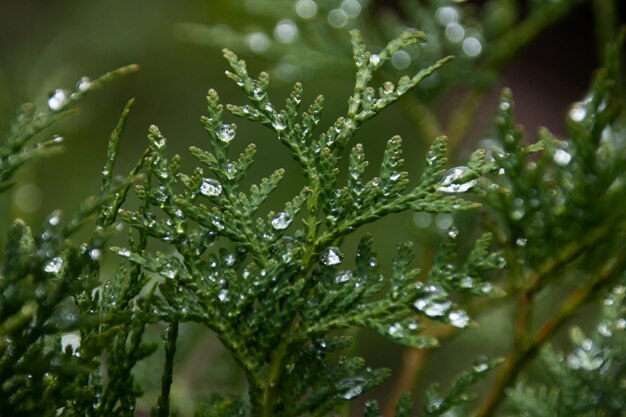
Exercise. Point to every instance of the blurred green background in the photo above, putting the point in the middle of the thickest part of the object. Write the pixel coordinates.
(46, 45)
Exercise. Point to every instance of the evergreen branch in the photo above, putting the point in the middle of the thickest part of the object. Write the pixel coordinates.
(521, 354)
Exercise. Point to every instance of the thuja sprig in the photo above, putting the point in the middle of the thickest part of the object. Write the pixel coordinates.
(53, 327)
(555, 213)
(274, 290)
(31, 121)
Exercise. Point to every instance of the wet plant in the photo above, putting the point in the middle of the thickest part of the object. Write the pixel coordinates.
(281, 290)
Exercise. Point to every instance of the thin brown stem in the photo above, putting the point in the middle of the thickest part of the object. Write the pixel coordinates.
(413, 363)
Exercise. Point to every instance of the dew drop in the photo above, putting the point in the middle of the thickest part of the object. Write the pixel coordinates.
(459, 318)
(396, 331)
(331, 256)
(434, 302)
(210, 187)
(230, 259)
(124, 252)
(281, 221)
(71, 340)
(168, 271)
(225, 133)
(374, 59)
(279, 123)
(230, 170)
(57, 100)
(481, 366)
(561, 157)
(467, 282)
(222, 295)
(54, 265)
(351, 387)
(54, 218)
(578, 112)
(83, 84)
(343, 276)
(520, 241)
(95, 254)
(586, 357)
(259, 94)
(449, 184)
(388, 87)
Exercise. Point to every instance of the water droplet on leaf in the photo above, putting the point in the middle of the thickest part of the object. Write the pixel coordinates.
(578, 112)
(225, 133)
(210, 187)
(57, 100)
(458, 318)
(351, 387)
(83, 84)
(561, 157)
(222, 295)
(54, 265)
(281, 221)
(343, 276)
(331, 256)
(388, 87)
(449, 181)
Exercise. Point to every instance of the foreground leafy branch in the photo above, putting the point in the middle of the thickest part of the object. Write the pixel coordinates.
(274, 294)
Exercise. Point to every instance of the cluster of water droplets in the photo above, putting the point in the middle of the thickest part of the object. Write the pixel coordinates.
(459, 318)
(58, 99)
(54, 265)
(343, 276)
(434, 301)
(587, 356)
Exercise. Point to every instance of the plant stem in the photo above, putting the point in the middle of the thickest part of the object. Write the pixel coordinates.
(163, 409)
(520, 355)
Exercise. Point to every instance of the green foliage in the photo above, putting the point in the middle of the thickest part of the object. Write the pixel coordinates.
(276, 291)
(282, 291)
(589, 380)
